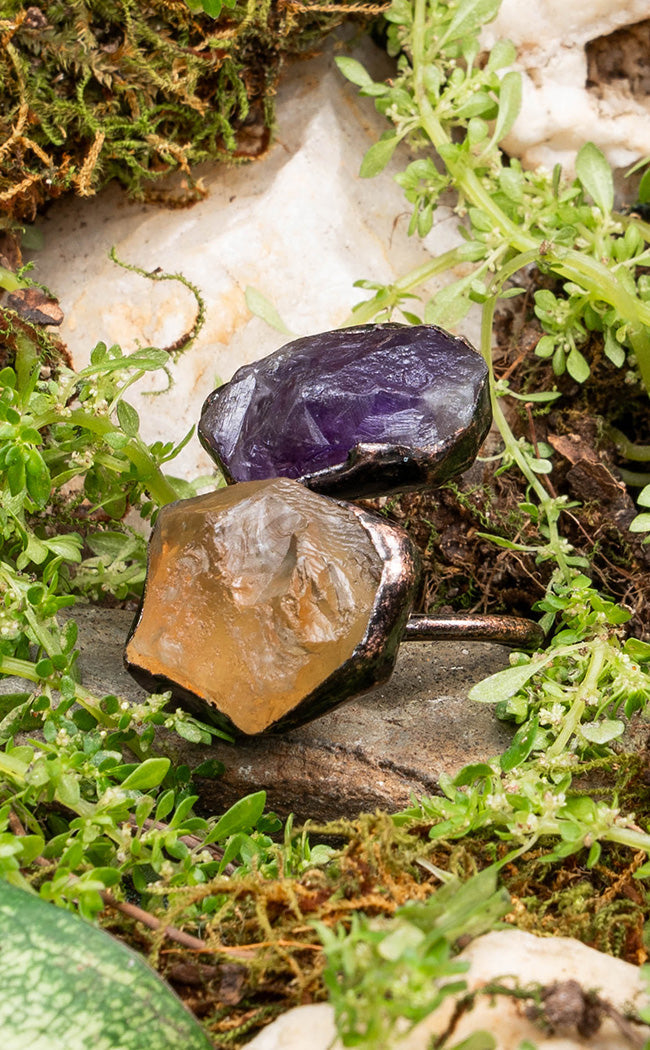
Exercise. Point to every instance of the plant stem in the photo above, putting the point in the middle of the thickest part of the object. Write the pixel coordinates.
(627, 448)
(588, 688)
(419, 275)
(513, 448)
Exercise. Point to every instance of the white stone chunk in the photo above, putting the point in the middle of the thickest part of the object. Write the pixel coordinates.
(561, 109)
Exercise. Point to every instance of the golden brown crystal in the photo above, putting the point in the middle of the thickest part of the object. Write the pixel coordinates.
(255, 595)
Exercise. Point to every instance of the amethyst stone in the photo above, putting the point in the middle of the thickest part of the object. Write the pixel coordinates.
(355, 412)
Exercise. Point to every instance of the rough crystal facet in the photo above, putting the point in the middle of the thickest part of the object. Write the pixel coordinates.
(269, 603)
(354, 412)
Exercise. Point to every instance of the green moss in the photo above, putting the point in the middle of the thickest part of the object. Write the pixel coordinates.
(133, 89)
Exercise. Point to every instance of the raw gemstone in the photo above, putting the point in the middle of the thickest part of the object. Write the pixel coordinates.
(266, 603)
(355, 412)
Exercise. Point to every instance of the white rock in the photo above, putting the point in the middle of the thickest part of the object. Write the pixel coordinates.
(560, 110)
(299, 225)
(511, 957)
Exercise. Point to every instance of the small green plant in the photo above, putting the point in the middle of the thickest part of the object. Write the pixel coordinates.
(383, 976)
(448, 105)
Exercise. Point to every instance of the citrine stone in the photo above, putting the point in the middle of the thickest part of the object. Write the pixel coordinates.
(355, 412)
(266, 603)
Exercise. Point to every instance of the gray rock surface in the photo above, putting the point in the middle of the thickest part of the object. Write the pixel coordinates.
(372, 752)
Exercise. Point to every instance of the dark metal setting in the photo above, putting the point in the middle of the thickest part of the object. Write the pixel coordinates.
(514, 631)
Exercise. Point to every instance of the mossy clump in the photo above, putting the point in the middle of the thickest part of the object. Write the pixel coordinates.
(133, 89)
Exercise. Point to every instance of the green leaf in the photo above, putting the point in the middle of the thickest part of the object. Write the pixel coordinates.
(603, 731)
(19, 717)
(481, 1040)
(116, 440)
(354, 72)
(399, 941)
(189, 731)
(182, 810)
(31, 846)
(521, 746)
(165, 804)
(643, 499)
(637, 650)
(67, 790)
(8, 280)
(98, 354)
(470, 16)
(502, 541)
(511, 182)
(212, 7)
(478, 105)
(596, 177)
(262, 307)
(148, 359)
(16, 472)
(449, 306)
(67, 546)
(470, 774)
(641, 523)
(67, 985)
(38, 478)
(378, 156)
(502, 54)
(477, 130)
(541, 395)
(613, 349)
(148, 774)
(35, 551)
(644, 188)
(577, 366)
(212, 767)
(128, 418)
(594, 854)
(509, 106)
(242, 816)
(504, 684)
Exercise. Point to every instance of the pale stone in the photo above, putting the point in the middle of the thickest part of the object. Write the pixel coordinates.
(255, 595)
(560, 108)
(511, 957)
(298, 225)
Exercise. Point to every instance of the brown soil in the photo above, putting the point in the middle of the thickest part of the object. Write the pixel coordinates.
(620, 60)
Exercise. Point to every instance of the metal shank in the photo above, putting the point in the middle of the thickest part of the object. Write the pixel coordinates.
(514, 631)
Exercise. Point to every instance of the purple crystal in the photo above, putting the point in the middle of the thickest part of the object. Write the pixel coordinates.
(354, 412)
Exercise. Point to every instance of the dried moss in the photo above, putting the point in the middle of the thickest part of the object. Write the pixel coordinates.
(133, 89)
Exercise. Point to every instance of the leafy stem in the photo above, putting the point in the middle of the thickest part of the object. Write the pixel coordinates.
(556, 545)
(598, 279)
(587, 691)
